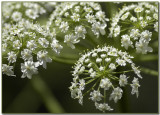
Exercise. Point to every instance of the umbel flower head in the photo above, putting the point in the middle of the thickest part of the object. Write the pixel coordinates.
(104, 70)
(28, 42)
(74, 20)
(135, 24)
(15, 11)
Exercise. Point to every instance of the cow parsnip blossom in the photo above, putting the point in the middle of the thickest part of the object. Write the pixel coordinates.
(15, 11)
(135, 24)
(104, 70)
(29, 42)
(74, 20)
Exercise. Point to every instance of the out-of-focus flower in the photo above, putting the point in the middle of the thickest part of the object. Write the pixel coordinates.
(78, 19)
(135, 28)
(17, 11)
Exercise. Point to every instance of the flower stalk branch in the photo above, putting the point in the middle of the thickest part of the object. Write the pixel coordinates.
(47, 96)
(149, 71)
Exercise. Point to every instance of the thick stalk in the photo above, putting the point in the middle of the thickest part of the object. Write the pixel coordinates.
(148, 57)
(149, 71)
(66, 61)
(47, 96)
(22, 101)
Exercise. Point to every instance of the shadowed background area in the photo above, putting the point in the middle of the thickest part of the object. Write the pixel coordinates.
(19, 95)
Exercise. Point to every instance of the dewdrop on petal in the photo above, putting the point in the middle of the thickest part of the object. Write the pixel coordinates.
(104, 76)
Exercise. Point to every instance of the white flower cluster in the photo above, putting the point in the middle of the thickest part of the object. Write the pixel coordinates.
(75, 19)
(134, 24)
(16, 11)
(106, 69)
(25, 40)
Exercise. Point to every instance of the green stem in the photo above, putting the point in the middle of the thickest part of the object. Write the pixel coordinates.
(91, 87)
(87, 78)
(18, 106)
(149, 71)
(91, 81)
(113, 77)
(66, 61)
(148, 57)
(47, 96)
(121, 72)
